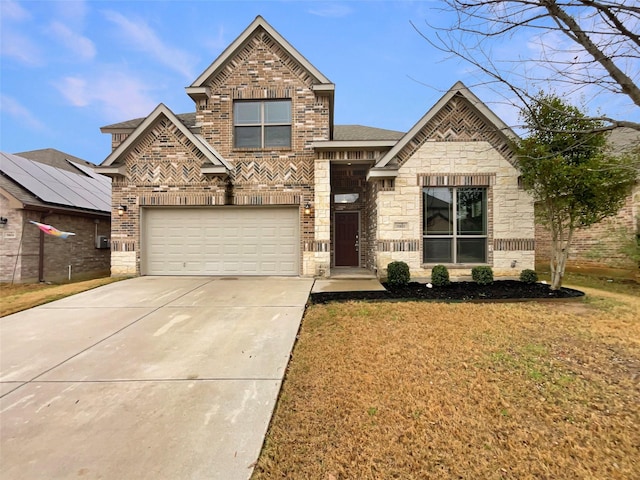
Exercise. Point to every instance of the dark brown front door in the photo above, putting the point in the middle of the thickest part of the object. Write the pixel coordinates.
(347, 239)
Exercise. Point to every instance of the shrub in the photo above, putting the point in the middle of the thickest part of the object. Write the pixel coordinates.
(440, 276)
(483, 275)
(528, 276)
(398, 273)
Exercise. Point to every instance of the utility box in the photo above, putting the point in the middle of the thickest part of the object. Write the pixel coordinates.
(102, 242)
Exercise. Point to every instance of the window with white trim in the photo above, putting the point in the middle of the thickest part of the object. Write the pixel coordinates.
(262, 124)
(454, 224)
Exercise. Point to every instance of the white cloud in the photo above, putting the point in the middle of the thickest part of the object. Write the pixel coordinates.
(217, 43)
(143, 38)
(78, 44)
(115, 94)
(20, 47)
(72, 11)
(331, 10)
(18, 111)
(10, 10)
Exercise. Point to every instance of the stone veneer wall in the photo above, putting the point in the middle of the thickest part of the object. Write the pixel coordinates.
(77, 251)
(317, 258)
(600, 244)
(510, 209)
(164, 168)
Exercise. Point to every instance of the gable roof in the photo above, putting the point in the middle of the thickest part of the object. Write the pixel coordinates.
(218, 163)
(503, 131)
(37, 184)
(196, 88)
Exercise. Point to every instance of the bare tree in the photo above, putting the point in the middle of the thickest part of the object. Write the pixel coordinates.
(579, 44)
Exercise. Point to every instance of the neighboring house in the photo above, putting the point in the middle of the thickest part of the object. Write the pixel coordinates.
(52, 187)
(259, 181)
(602, 244)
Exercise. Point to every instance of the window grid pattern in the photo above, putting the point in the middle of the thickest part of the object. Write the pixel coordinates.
(262, 124)
(455, 225)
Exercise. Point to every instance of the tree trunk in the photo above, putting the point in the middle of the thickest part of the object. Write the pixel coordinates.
(559, 256)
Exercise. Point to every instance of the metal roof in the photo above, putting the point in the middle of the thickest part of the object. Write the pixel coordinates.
(83, 189)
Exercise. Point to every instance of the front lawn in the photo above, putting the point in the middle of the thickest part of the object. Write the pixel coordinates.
(434, 390)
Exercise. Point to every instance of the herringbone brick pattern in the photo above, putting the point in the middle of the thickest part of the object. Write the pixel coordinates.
(458, 121)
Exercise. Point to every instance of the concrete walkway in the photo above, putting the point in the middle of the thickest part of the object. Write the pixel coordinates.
(153, 377)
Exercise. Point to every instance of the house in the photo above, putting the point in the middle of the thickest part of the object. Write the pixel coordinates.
(52, 187)
(603, 244)
(259, 181)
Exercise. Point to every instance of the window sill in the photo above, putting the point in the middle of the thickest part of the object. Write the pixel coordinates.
(260, 149)
(456, 265)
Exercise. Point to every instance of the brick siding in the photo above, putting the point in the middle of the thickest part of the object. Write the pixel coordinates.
(163, 169)
(600, 244)
(77, 251)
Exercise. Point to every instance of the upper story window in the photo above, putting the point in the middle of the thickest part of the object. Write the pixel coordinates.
(262, 124)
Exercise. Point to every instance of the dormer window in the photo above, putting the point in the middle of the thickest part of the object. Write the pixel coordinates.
(262, 124)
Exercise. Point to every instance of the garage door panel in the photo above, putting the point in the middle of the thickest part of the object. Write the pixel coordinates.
(220, 241)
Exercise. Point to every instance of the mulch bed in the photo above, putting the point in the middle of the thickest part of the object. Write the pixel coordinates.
(501, 290)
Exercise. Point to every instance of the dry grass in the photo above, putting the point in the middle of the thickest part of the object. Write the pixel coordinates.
(471, 391)
(18, 297)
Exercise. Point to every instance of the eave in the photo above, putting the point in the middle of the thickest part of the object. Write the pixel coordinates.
(353, 144)
(380, 173)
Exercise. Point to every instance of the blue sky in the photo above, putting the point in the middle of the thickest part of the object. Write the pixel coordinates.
(70, 67)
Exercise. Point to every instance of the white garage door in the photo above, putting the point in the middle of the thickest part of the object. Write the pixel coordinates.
(220, 241)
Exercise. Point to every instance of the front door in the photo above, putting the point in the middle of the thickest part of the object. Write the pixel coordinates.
(347, 236)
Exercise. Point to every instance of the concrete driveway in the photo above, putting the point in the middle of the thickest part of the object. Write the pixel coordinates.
(153, 377)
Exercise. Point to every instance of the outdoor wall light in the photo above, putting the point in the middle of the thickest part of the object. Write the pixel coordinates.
(122, 209)
(307, 208)
(3, 221)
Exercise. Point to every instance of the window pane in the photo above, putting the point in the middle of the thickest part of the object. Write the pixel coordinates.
(472, 207)
(247, 137)
(277, 136)
(277, 112)
(246, 112)
(346, 197)
(437, 250)
(471, 250)
(438, 205)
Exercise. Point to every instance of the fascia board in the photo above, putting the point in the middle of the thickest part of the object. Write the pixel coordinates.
(109, 171)
(324, 87)
(338, 144)
(116, 130)
(215, 170)
(382, 173)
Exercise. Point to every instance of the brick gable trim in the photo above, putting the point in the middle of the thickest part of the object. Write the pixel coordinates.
(240, 43)
(213, 162)
(458, 116)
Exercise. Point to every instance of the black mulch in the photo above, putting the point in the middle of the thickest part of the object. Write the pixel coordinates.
(499, 290)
